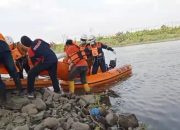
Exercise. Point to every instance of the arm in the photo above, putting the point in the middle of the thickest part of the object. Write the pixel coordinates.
(107, 47)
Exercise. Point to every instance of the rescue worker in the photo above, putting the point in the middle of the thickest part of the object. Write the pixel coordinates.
(78, 65)
(7, 60)
(43, 58)
(85, 45)
(98, 54)
(18, 52)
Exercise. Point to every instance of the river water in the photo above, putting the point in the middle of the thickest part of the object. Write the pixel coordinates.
(152, 93)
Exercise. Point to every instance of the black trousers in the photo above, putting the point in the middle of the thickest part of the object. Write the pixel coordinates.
(7, 60)
(99, 61)
(52, 70)
(81, 70)
(22, 64)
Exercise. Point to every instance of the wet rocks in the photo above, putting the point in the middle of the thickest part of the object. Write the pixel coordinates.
(51, 111)
(128, 120)
(30, 109)
(111, 118)
(50, 122)
(39, 103)
(80, 126)
(17, 102)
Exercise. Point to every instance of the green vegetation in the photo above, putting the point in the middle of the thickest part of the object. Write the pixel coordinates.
(141, 37)
(57, 48)
(164, 33)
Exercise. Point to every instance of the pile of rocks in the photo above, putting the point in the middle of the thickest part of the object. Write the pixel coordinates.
(51, 111)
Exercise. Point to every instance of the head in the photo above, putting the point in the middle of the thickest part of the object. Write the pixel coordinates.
(26, 41)
(9, 40)
(69, 42)
(92, 39)
(83, 39)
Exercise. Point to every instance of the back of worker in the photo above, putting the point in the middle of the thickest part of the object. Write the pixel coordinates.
(78, 65)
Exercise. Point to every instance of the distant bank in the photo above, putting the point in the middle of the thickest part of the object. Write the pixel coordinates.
(164, 33)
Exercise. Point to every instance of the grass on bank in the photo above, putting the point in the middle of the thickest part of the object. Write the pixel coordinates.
(164, 33)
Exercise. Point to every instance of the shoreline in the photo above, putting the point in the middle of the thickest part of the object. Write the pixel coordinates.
(51, 111)
(59, 48)
(148, 42)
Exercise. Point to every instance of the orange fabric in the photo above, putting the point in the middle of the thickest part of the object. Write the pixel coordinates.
(16, 54)
(72, 51)
(94, 49)
(2, 37)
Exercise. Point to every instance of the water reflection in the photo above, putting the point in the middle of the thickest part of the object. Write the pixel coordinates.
(153, 92)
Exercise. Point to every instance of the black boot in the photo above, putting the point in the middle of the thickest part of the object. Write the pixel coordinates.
(18, 86)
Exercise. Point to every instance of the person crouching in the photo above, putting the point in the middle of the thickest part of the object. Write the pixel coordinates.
(43, 58)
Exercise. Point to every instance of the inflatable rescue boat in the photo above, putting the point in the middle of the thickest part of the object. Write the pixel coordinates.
(98, 82)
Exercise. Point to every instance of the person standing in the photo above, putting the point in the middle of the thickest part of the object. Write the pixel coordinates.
(43, 58)
(86, 47)
(78, 65)
(98, 54)
(7, 60)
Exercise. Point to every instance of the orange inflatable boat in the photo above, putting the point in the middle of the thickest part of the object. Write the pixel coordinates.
(97, 82)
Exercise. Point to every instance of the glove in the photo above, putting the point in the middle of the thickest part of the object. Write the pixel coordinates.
(114, 52)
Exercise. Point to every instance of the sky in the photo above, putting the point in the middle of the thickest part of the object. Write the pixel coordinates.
(57, 20)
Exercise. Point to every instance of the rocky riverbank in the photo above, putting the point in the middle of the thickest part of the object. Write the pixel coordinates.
(51, 111)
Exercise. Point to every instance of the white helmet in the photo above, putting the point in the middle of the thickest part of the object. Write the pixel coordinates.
(83, 39)
(9, 40)
(91, 39)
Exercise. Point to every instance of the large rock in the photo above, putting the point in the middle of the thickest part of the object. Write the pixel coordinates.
(25, 127)
(49, 101)
(87, 99)
(67, 107)
(80, 126)
(30, 109)
(9, 127)
(46, 94)
(6, 117)
(37, 117)
(19, 120)
(111, 118)
(67, 125)
(38, 95)
(17, 102)
(56, 97)
(39, 104)
(128, 120)
(39, 127)
(50, 122)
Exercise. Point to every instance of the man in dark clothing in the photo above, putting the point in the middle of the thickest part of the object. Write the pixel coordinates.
(98, 54)
(7, 60)
(43, 58)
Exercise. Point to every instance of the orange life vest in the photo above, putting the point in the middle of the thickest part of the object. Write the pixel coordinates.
(16, 54)
(94, 49)
(78, 55)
